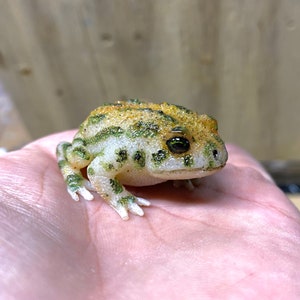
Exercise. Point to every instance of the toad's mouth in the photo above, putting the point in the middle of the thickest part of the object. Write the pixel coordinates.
(186, 174)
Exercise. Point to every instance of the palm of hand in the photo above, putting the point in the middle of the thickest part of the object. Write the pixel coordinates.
(236, 235)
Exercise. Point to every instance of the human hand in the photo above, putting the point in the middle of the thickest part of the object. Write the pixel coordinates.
(236, 236)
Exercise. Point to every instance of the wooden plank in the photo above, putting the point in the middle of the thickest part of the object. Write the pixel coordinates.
(13, 133)
(256, 82)
(287, 141)
(27, 73)
(143, 49)
(295, 199)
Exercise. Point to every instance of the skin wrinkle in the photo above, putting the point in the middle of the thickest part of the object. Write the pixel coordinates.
(159, 237)
(268, 204)
(177, 216)
(95, 239)
(269, 208)
(96, 209)
(214, 226)
(155, 233)
(27, 222)
(36, 219)
(239, 280)
(43, 184)
(13, 205)
(33, 212)
(91, 234)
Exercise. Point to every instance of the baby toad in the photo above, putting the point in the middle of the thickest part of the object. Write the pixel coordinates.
(138, 144)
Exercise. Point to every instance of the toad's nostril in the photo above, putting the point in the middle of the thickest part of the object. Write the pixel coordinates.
(215, 153)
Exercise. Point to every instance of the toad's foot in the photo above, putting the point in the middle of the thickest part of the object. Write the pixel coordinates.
(188, 184)
(82, 190)
(127, 204)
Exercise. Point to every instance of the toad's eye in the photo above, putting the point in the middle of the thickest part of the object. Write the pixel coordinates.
(178, 144)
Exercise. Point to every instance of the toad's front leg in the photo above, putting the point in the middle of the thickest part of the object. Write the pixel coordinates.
(103, 178)
(70, 162)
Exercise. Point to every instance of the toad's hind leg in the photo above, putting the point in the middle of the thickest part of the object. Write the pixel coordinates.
(113, 192)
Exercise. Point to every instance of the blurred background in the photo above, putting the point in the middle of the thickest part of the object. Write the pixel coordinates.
(236, 60)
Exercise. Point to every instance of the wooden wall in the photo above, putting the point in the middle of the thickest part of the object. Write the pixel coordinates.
(238, 60)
